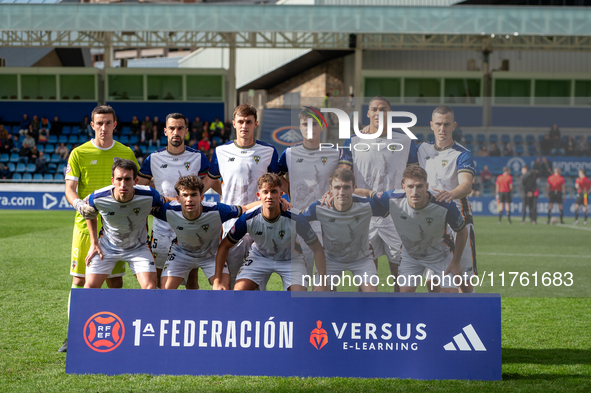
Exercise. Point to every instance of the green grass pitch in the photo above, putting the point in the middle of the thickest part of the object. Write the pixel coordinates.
(546, 329)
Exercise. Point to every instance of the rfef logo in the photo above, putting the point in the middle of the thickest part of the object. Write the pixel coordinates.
(104, 331)
(318, 337)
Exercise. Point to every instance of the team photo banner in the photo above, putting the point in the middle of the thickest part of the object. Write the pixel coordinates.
(279, 334)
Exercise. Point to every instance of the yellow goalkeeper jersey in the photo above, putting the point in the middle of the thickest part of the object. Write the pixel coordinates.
(90, 166)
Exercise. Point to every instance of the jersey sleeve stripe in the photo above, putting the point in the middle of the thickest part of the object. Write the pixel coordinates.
(212, 176)
(346, 162)
(466, 170)
(72, 178)
(144, 176)
(231, 239)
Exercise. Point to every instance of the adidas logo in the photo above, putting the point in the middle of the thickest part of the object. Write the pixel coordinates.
(461, 342)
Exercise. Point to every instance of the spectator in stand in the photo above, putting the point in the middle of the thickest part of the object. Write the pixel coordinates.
(4, 172)
(194, 134)
(569, 146)
(158, 125)
(24, 153)
(204, 144)
(155, 136)
(483, 152)
(582, 147)
(139, 154)
(29, 140)
(225, 135)
(217, 125)
(85, 128)
(475, 187)
(494, 150)
(62, 151)
(25, 123)
(197, 124)
(135, 126)
(35, 123)
(546, 145)
(34, 153)
(144, 135)
(486, 177)
(529, 187)
(508, 150)
(3, 133)
(56, 126)
(148, 123)
(41, 163)
(44, 129)
(17, 144)
(554, 134)
(7, 145)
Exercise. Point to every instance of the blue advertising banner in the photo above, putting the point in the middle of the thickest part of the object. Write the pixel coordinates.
(32, 200)
(568, 165)
(420, 336)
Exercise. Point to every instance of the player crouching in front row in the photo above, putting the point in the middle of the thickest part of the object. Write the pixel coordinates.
(274, 249)
(197, 226)
(124, 208)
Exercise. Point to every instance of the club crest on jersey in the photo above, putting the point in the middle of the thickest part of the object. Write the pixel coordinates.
(257, 159)
(281, 234)
(205, 227)
(443, 163)
(357, 218)
(392, 147)
(136, 211)
(323, 160)
(187, 165)
(429, 220)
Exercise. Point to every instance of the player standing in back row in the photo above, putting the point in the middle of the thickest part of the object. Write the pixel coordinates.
(450, 170)
(166, 166)
(239, 164)
(89, 168)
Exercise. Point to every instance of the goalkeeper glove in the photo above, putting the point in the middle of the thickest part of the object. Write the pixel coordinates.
(86, 211)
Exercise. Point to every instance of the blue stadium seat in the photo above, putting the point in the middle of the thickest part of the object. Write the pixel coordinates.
(62, 139)
(531, 150)
(82, 139)
(15, 130)
(69, 146)
(116, 138)
(11, 167)
(41, 148)
(66, 130)
(470, 147)
(31, 168)
(126, 130)
(73, 139)
(51, 167)
(163, 141)
(60, 168)
(27, 176)
(493, 138)
(37, 176)
(52, 139)
(420, 137)
(518, 139)
(496, 170)
(530, 139)
(540, 137)
(4, 157)
(469, 139)
(48, 176)
(152, 149)
(17, 176)
(431, 138)
(20, 167)
(59, 176)
(55, 159)
(133, 140)
(505, 138)
(481, 139)
(75, 130)
(49, 149)
(124, 139)
(589, 139)
(519, 150)
(13, 158)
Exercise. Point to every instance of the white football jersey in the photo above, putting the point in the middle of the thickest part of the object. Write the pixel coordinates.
(423, 231)
(309, 171)
(274, 240)
(346, 234)
(378, 163)
(239, 169)
(124, 224)
(166, 168)
(198, 238)
(443, 166)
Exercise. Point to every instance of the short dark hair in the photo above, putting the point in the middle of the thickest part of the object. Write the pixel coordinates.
(245, 110)
(103, 110)
(342, 174)
(124, 164)
(443, 110)
(271, 179)
(414, 172)
(177, 116)
(380, 98)
(189, 182)
(506, 169)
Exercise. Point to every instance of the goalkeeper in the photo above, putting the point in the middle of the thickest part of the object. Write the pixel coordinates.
(89, 169)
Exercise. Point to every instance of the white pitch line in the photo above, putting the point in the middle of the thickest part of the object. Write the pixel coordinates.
(573, 227)
(533, 255)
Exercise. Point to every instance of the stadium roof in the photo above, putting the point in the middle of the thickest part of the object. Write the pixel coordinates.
(468, 20)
